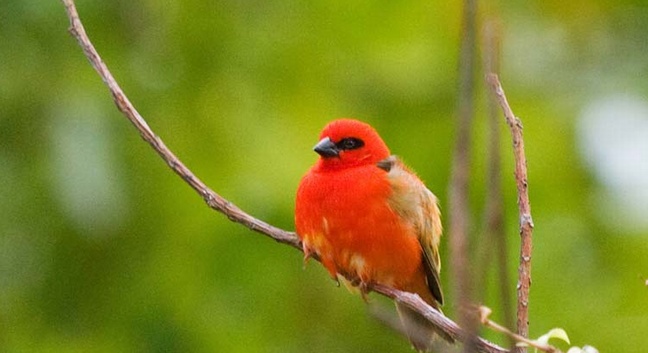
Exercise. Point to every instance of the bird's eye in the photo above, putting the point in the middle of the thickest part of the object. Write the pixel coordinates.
(350, 143)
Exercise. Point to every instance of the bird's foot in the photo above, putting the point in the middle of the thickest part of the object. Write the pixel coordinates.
(365, 288)
(307, 254)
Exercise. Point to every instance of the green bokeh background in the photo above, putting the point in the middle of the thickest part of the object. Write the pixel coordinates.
(103, 249)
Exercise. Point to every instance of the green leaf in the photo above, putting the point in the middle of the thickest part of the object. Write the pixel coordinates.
(554, 333)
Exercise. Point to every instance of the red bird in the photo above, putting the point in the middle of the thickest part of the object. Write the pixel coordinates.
(368, 217)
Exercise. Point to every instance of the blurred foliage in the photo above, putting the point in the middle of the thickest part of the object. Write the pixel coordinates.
(103, 249)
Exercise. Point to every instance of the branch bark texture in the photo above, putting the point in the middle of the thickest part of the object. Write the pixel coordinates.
(220, 204)
(495, 241)
(524, 206)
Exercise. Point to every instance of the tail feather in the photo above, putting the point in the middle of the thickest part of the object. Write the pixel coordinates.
(420, 332)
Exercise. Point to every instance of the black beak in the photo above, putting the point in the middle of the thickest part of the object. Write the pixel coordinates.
(327, 148)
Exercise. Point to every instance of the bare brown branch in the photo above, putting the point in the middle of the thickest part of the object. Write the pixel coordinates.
(448, 326)
(495, 243)
(526, 222)
(227, 208)
(214, 200)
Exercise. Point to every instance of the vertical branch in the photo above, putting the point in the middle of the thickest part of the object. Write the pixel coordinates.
(526, 222)
(494, 210)
(458, 193)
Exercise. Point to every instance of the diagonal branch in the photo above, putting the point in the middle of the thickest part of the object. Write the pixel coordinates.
(484, 314)
(220, 204)
(440, 321)
(526, 222)
(212, 199)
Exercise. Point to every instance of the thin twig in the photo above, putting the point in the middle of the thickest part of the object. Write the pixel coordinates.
(484, 314)
(526, 222)
(222, 205)
(495, 247)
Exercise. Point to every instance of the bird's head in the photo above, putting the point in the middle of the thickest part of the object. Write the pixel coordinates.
(348, 143)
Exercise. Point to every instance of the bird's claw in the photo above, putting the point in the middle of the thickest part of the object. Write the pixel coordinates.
(307, 255)
(365, 288)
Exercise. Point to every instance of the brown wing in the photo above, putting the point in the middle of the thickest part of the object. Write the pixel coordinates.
(418, 205)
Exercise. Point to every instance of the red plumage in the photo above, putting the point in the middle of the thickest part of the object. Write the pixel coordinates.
(369, 217)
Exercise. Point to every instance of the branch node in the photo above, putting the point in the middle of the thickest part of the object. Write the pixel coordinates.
(518, 122)
(526, 220)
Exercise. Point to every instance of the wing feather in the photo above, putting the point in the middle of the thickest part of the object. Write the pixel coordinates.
(418, 205)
